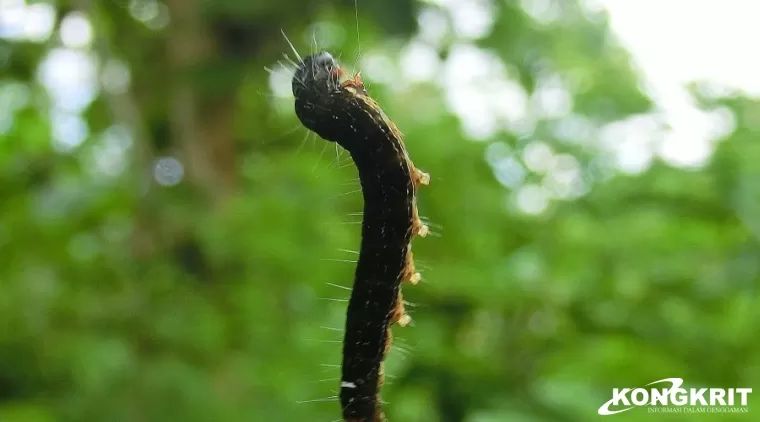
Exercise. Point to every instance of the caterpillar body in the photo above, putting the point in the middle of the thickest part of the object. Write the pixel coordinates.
(338, 109)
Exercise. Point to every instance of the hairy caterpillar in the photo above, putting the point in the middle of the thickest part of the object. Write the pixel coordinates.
(338, 109)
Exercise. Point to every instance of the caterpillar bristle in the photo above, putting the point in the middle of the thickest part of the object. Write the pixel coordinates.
(420, 177)
(422, 229)
(400, 316)
(415, 278)
(410, 274)
(404, 320)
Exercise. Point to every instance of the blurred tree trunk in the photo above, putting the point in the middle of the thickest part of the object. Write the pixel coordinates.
(201, 132)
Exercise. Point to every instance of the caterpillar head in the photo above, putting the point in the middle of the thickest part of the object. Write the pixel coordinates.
(318, 74)
(321, 92)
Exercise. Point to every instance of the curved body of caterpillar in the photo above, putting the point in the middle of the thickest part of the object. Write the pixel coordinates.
(340, 110)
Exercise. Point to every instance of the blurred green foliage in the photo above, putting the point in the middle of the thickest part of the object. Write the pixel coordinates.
(125, 300)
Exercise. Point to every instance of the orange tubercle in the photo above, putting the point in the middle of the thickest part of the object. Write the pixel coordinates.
(355, 81)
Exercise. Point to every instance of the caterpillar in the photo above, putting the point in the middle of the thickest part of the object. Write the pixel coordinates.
(338, 108)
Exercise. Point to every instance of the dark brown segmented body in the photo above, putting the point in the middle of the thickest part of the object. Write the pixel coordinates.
(342, 112)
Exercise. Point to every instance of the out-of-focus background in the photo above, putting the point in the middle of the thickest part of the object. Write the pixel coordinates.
(174, 246)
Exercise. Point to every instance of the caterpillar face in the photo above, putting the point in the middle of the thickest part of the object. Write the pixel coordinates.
(317, 87)
(328, 101)
(318, 74)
